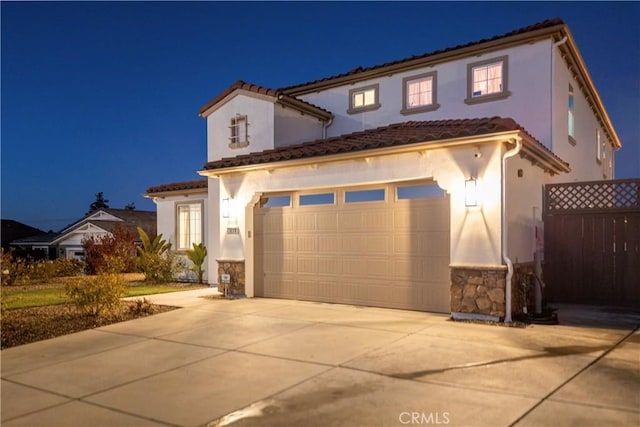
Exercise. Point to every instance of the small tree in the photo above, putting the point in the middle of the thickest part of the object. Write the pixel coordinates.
(154, 258)
(113, 252)
(197, 256)
(97, 295)
(130, 207)
(100, 203)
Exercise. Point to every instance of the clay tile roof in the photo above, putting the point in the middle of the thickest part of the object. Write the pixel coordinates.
(528, 29)
(241, 85)
(394, 135)
(179, 186)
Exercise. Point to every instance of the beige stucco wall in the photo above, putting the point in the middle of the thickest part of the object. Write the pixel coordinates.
(475, 232)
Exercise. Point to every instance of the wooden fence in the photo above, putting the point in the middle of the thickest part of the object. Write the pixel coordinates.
(592, 242)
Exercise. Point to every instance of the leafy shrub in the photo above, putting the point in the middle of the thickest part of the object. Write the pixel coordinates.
(96, 295)
(197, 256)
(101, 251)
(141, 307)
(14, 270)
(155, 260)
(64, 267)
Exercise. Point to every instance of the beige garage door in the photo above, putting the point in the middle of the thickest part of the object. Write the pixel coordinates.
(384, 246)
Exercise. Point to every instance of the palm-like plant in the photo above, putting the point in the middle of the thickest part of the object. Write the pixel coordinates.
(197, 256)
(155, 260)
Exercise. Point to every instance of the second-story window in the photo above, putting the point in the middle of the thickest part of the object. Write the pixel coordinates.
(571, 117)
(419, 93)
(239, 135)
(364, 99)
(487, 80)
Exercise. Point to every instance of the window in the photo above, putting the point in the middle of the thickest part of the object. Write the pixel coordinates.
(364, 99)
(571, 117)
(275, 202)
(239, 133)
(599, 147)
(419, 93)
(355, 196)
(189, 225)
(424, 191)
(317, 199)
(487, 80)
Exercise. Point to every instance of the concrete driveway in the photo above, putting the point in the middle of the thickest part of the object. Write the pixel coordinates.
(268, 362)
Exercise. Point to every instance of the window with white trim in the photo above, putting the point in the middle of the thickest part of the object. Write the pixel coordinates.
(571, 115)
(364, 99)
(487, 80)
(599, 147)
(239, 135)
(189, 225)
(419, 93)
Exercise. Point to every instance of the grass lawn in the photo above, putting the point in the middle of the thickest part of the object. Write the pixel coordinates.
(52, 293)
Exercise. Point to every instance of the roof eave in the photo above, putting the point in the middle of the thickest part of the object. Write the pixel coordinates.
(537, 154)
(361, 154)
(428, 60)
(584, 78)
(185, 192)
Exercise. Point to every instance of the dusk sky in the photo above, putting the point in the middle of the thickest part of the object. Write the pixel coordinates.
(105, 96)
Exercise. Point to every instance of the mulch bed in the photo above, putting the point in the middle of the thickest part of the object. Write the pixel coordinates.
(26, 325)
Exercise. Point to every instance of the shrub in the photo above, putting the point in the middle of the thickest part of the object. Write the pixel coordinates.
(155, 260)
(197, 256)
(14, 270)
(96, 295)
(65, 267)
(141, 307)
(119, 244)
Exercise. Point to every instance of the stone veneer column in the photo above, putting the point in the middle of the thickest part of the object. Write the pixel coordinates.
(478, 292)
(235, 269)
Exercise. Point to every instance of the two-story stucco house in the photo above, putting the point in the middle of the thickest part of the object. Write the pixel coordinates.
(414, 184)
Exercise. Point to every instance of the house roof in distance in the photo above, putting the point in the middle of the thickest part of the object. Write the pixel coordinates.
(147, 220)
(15, 230)
(395, 135)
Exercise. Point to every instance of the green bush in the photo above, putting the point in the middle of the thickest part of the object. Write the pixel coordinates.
(197, 256)
(155, 260)
(97, 295)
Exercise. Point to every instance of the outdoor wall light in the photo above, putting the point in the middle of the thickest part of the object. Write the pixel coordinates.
(471, 192)
(225, 208)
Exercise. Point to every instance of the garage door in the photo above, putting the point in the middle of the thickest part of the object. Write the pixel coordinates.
(385, 246)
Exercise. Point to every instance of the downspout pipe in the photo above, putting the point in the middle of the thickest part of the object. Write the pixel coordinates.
(552, 83)
(505, 258)
(325, 126)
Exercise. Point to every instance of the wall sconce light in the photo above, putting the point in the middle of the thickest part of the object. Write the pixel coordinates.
(225, 208)
(471, 192)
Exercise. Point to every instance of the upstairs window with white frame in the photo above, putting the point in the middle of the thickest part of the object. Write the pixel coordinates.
(571, 125)
(189, 225)
(364, 99)
(487, 80)
(239, 135)
(599, 147)
(419, 93)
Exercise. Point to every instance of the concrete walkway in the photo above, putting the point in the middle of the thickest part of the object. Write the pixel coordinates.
(268, 362)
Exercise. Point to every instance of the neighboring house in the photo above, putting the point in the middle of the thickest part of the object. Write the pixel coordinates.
(14, 230)
(413, 184)
(68, 242)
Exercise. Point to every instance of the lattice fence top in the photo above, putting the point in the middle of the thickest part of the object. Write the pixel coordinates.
(617, 195)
